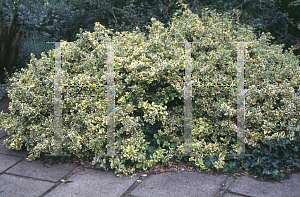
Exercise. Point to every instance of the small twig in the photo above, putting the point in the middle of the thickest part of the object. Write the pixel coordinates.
(115, 19)
(209, 140)
(238, 6)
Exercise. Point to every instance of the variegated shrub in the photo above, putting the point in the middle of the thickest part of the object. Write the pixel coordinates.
(149, 75)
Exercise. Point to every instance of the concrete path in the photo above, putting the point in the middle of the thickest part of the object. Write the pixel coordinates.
(19, 177)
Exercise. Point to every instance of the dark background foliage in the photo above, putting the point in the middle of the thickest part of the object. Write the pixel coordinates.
(279, 17)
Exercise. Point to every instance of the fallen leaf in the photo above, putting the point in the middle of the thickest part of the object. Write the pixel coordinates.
(48, 165)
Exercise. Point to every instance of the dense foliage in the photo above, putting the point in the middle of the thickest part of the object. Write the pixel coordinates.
(159, 59)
